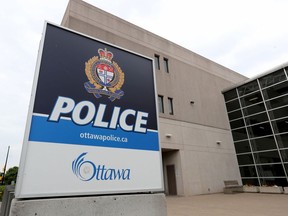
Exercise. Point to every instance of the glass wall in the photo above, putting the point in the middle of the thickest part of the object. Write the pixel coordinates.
(258, 116)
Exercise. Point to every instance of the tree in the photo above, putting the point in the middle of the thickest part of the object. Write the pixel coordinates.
(11, 175)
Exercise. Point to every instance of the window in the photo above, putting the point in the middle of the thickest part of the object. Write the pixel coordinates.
(233, 105)
(248, 88)
(160, 104)
(230, 95)
(272, 78)
(157, 61)
(166, 67)
(170, 103)
(251, 99)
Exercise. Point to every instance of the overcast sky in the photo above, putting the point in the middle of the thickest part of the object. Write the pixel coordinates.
(247, 36)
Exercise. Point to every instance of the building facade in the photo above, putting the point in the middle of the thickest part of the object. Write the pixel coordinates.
(197, 146)
(258, 114)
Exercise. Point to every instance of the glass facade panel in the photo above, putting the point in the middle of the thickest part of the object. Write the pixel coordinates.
(233, 105)
(237, 123)
(239, 134)
(280, 126)
(276, 90)
(286, 167)
(265, 143)
(261, 140)
(284, 154)
(271, 170)
(255, 119)
(242, 147)
(277, 102)
(260, 130)
(248, 171)
(235, 115)
(245, 159)
(250, 181)
(272, 78)
(278, 113)
(254, 109)
(282, 140)
(248, 88)
(251, 99)
(230, 95)
(267, 157)
(274, 181)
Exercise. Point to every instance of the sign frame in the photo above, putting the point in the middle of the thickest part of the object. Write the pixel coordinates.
(25, 162)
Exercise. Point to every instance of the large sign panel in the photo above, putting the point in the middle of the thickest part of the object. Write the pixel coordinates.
(92, 125)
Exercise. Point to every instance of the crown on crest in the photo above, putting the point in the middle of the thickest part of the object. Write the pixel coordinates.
(105, 55)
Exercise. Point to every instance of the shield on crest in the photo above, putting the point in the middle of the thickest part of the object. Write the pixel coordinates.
(105, 73)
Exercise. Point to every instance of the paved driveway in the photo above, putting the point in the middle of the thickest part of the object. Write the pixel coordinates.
(242, 204)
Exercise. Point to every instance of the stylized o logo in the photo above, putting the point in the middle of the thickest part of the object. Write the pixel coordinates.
(84, 170)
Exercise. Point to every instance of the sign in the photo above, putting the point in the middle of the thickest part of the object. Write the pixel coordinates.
(92, 126)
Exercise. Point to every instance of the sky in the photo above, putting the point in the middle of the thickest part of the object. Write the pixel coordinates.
(247, 36)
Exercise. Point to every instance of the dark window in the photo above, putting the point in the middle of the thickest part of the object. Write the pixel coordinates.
(284, 154)
(237, 123)
(267, 157)
(272, 78)
(251, 99)
(235, 115)
(248, 88)
(282, 140)
(157, 61)
(251, 182)
(286, 168)
(270, 170)
(166, 66)
(280, 126)
(242, 147)
(254, 109)
(275, 91)
(278, 113)
(255, 119)
(170, 104)
(274, 181)
(245, 159)
(233, 105)
(239, 134)
(278, 102)
(260, 130)
(265, 143)
(230, 95)
(160, 104)
(248, 171)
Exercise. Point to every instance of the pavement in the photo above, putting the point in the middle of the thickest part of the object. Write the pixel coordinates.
(240, 204)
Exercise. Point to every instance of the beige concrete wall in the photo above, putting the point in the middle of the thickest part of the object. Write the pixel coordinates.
(204, 163)
(201, 164)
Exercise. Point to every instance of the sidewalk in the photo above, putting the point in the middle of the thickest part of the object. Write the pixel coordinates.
(241, 204)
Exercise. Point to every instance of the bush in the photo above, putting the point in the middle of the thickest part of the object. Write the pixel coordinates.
(2, 187)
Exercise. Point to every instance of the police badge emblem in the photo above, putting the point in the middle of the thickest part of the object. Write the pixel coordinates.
(104, 75)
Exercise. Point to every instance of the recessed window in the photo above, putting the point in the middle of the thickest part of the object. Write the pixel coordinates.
(166, 66)
(170, 103)
(160, 104)
(157, 61)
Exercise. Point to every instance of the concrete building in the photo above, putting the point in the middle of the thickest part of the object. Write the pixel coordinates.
(258, 114)
(197, 146)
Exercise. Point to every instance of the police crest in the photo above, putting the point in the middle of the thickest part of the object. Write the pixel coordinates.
(104, 75)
